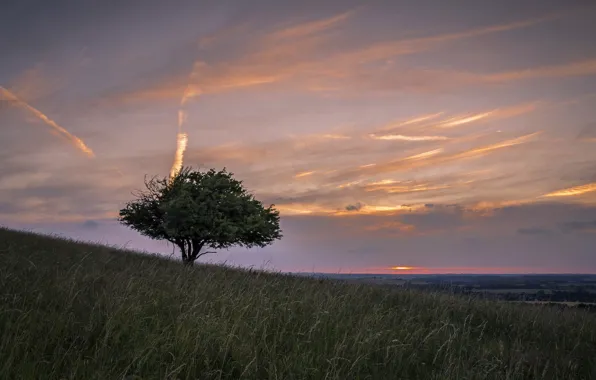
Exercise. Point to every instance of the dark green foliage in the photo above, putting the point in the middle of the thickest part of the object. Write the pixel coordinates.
(200, 210)
(81, 311)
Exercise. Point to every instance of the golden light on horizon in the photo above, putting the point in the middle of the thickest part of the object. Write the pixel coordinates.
(402, 268)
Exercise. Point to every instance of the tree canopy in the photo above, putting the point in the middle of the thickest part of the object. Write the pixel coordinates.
(201, 210)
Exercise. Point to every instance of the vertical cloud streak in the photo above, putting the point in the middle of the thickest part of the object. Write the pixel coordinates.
(190, 92)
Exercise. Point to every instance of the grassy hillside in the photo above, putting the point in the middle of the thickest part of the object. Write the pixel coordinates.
(79, 311)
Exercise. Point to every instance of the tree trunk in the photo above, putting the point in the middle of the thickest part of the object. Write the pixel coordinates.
(190, 250)
(186, 259)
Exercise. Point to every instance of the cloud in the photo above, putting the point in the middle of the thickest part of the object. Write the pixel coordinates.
(413, 120)
(427, 159)
(493, 114)
(588, 132)
(310, 27)
(304, 174)
(355, 207)
(80, 195)
(35, 83)
(90, 224)
(534, 231)
(578, 226)
(573, 191)
(408, 138)
(304, 56)
(393, 227)
(579, 68)
(389, 49)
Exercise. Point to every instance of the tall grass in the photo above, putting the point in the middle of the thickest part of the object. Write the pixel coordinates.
(78, 311)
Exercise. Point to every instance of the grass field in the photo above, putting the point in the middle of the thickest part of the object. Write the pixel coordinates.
(79, 311)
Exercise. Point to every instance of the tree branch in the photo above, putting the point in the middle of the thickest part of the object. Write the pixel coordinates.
(204, 253)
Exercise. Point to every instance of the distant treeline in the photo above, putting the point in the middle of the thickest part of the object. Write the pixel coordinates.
(551, 297)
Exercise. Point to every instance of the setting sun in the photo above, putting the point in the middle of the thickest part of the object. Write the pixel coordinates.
(402, 268)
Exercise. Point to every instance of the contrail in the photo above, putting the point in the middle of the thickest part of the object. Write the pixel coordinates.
(182, 138)
(181, 143)
(77, 142)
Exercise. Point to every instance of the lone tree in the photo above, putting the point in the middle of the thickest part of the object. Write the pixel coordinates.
(198, 210)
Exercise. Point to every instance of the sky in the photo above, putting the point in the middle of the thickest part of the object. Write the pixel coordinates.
(438, 137)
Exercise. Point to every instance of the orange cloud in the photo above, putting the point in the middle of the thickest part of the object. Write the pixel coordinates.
(414, 120)
(390, 187)
(293, 58)
(390, 49)
(498, 113)
(573, 191)
(316, 209)
(423, 155)
(463, 120)
(451, 121)
(335, 137)
(304, 174)
(482, 150)
(431, 158)
(408, 138)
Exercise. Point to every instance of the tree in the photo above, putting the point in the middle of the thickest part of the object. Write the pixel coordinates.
(198, 211)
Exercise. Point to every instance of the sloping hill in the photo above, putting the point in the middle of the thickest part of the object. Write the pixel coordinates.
(78, 311)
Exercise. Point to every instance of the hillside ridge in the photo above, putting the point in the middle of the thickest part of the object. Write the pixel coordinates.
(78, 310)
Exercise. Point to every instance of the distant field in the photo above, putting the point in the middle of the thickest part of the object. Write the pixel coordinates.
(80, 311)
(565, 303)
(528, 291)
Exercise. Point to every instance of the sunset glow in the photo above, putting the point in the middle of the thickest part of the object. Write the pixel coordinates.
(459, 140)
(573, 191)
